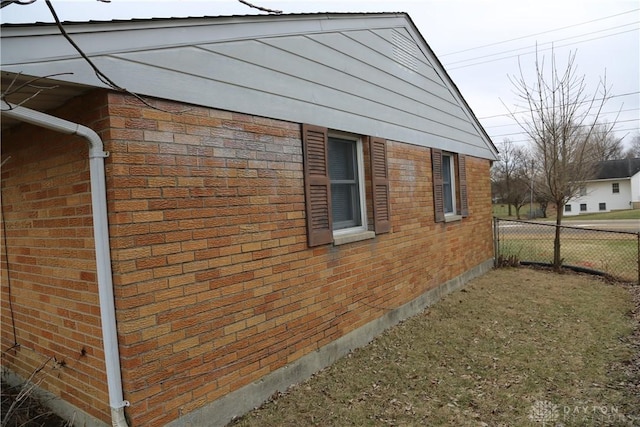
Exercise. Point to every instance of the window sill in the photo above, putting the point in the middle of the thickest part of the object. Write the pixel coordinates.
(352, 237)
(452, 218)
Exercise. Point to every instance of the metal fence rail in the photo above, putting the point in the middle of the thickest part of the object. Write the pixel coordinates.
(612, 253)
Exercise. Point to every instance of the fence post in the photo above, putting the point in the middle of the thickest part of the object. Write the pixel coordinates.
(496, 241)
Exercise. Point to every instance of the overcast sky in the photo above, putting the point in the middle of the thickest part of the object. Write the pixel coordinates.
(479, 42)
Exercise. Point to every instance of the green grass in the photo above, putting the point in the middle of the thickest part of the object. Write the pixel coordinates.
(502, 211)
(617, 257)
(483, 356)
(626, 214)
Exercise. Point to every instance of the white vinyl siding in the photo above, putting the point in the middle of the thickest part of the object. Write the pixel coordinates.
(368, 75)
(597, 192)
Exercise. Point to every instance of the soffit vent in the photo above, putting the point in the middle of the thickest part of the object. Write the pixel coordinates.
(405, 51)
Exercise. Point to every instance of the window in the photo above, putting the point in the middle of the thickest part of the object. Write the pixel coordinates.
(615, 187)
(583, 191)
(602, 206)
(583, 207)
(335, 166)
(449, 185)
(345, 170)
(567, 208)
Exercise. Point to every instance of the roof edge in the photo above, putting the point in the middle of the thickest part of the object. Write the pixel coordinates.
(208, 18)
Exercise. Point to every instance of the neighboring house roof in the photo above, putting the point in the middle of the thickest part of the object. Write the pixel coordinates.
(612, 169)
(367, 73)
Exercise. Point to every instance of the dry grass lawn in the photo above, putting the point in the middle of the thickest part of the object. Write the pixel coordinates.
(517, 347)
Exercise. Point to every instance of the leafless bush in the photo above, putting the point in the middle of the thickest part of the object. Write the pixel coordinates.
(21, 407)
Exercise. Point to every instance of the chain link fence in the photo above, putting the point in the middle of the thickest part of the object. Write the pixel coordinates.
(615, 254)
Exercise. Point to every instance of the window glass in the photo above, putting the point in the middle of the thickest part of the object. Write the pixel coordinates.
(602, 206)
(447, 184)
(583, 207)
(567, 208)
(345, 191)
(615, 187)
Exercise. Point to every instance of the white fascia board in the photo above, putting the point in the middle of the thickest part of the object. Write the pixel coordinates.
(626, 178)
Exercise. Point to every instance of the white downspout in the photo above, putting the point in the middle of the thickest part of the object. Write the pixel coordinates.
(101, 237)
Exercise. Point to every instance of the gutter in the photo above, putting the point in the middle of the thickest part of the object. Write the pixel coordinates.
(101, 238)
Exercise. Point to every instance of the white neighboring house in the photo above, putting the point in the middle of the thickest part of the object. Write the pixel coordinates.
(616, 186)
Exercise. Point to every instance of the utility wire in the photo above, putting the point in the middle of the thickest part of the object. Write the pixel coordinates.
(538, 34)
(592, 114)
(543, 44)
(518, 133)
(542, 50)
(6, 254)
(528, 111)
(636, 129)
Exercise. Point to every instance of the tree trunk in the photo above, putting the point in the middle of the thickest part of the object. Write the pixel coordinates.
(517, 212)
(557, 260)
(509, 208)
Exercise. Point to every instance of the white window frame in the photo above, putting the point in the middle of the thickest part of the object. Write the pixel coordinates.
(361, 185)
(452, 179)
(615, 188)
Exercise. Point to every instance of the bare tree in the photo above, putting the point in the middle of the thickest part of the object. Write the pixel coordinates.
(560, 122)
(604, 145)
(510, 176)
(633, 151)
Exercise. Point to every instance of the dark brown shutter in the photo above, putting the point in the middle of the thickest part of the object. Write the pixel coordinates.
(380, 185)
(438, 191)
(462, 183)
(317, 185)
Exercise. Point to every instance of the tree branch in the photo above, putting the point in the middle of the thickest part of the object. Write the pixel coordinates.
(5, 3)
(264, 9)
(101, 76)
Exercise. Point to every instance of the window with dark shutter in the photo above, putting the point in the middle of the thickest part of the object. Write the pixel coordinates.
(380, 185)
(317, 185)
(335, 191)
(450, 191)
(438, 191)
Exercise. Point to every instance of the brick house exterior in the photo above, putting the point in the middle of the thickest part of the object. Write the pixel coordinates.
(221, 297)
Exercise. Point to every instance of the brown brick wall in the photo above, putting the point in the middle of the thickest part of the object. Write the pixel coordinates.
(215, 285)
(51, 271)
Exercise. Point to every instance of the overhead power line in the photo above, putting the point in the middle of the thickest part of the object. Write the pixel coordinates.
(541, 50)
(628, 130)
(527, 111)
(593, 114)
(543, 44)
(519, 133)
(538, 34)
